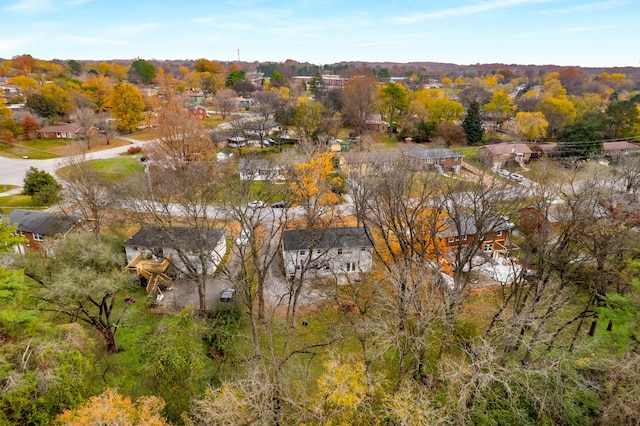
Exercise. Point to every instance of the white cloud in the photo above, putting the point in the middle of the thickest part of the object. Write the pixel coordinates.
(77, 2)
(8, 47)
(29, 6)
(480, 7)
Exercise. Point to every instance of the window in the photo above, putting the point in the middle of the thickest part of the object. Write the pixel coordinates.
(464, 238)
(339, 251)
(499, 233)
(22, 233)
(488, 246)
(351, 266)
(303, 252)
(37, 237)
(451, 239)
(363, 249)
(318, 251)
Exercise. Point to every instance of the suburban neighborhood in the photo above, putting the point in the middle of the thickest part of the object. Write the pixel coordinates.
(228, 242)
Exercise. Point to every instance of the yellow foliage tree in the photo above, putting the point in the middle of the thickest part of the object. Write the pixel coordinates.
(314, 180)
(342, 392)
(532, 125)
(111, 408)
(127, 105)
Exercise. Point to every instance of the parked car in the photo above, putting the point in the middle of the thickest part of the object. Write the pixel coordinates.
(516, 177)
(280, 205)
(256, 204)
(503, 172)
(227, 294)
(243, 238)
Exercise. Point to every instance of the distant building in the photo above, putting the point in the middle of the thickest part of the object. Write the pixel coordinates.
(198, 111)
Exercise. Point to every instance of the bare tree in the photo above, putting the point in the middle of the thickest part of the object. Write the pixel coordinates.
(86, 191)
(360, 101)
(267, 104)
(225, 102)
(86, 118)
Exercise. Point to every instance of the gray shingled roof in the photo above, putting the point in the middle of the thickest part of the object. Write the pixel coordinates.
(175, 237)
(418, 151)
(42, 223)
(304, 239)
(468, 226)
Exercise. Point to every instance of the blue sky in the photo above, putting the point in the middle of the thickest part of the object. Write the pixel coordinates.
(563, 32)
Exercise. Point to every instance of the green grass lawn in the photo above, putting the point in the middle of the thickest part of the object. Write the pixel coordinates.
(18, 201)
(38, 149)
(115, 169)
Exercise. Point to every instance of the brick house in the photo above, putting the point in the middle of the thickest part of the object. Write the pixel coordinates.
(198, 111)
(40, 227)
(369, 163)
(441, 159)
(68, 132)
(492, 240)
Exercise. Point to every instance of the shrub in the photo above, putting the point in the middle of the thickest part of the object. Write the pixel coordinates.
(134, 149)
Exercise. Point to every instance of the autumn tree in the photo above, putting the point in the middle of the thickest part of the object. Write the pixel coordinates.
(360, 101)
(531, 125)
(110, 408)
(127, 106)
(81, 277)
(307, 117)
(500, 107)
(472, 124)
(24, 63)
(558, 112)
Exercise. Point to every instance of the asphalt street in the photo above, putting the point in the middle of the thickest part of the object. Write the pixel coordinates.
(12, 170)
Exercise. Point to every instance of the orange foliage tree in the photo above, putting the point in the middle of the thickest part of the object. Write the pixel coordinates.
(111, 408)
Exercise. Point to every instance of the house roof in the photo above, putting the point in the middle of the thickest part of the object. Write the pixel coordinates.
(42, 223)
(258, 125)
(420, 152)
(507, 148)
(301, 239)
(196, 107)
(619, 146)
(175, 237)
(371, 157)
(547, 148)
(468, 225)
(64, 128)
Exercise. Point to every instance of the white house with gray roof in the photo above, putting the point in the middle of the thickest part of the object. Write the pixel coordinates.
(324, 252)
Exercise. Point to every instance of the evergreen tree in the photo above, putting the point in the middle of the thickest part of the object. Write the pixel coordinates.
(472, 124)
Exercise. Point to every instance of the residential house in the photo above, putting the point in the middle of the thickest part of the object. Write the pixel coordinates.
(375, 123)
(543, 150)
(259, 169)
(198, 111)
(40, 227)
(492, 238)
(324, 252)
(441, 159)
(369, 163)
(184, 246)
(68, 132)
(499, 155)
(620, 148)
(261, 128)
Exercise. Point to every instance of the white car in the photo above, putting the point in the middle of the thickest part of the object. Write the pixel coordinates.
(516, 177)
(503, 172)
(256, 204)
(243, 238)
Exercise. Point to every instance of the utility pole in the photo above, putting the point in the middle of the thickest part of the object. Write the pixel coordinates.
(238, 55)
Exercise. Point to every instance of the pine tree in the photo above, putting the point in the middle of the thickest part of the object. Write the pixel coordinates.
(472, 124)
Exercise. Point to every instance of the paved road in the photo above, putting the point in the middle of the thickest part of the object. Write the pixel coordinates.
(12, 170)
